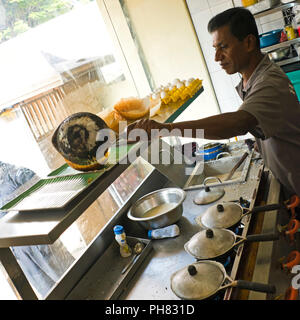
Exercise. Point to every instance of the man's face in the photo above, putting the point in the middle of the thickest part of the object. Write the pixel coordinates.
(231, 53)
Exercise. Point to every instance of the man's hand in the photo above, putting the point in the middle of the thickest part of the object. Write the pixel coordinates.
(145, 129)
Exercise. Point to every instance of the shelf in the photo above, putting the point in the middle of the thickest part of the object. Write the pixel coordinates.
(280, 45)
(276, 9)
(173, 110)
(288, 61)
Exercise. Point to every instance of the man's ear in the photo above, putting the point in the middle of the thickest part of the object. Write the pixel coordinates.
(250, 42)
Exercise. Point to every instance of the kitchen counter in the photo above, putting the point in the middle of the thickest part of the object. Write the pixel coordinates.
(152, 278)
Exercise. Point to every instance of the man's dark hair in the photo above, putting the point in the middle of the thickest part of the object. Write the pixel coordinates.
(240, 21)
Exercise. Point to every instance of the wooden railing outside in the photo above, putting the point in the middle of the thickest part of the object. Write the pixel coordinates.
(44, 113)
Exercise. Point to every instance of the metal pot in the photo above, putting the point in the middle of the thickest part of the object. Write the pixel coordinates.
(203, 279)
(215, 243)
(158, 209)
(279, 54)
(229, 214)
(210, 150)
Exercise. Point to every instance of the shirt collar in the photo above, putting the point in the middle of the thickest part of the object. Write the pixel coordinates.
(264, 63)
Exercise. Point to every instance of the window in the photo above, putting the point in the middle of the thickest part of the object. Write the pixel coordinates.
(69, 63)
(53, 65)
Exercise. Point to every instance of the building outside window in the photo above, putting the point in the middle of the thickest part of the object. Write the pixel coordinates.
(58, 58)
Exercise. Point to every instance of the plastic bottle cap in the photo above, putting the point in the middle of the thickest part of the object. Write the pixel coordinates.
(118, 229)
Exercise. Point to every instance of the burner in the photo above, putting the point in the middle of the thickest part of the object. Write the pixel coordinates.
(239, 229)
(244, 203)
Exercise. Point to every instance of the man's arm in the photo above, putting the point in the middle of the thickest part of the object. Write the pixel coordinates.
(222, 126)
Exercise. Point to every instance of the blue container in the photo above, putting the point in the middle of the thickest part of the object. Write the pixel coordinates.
(211, 150)
(270, 38)
(295, 79)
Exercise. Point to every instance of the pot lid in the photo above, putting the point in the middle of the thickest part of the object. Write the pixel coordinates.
(210, 243)
(198, 280)
(208, 195)
(222, 215)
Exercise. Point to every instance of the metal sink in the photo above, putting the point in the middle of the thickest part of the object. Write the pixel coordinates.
(214, 173)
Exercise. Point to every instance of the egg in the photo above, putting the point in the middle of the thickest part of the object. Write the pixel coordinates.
(163, 94)
(179, 85)
(175, 81)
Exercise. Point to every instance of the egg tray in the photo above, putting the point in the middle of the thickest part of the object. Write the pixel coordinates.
(171, 111)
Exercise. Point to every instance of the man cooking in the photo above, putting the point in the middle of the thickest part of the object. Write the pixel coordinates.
(270, 110)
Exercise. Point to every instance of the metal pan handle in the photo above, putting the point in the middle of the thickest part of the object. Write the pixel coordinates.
(263, 237)
(268, 207)
(254, 286)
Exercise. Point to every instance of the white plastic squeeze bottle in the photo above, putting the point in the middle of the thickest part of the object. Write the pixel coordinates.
(166, 232)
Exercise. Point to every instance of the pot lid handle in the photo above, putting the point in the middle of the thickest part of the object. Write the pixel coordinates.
(192, 270)
(209, 233)
(220, 208)
(211, 178)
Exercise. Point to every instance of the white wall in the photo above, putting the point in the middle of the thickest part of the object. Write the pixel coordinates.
(166, 35)
(201, 12)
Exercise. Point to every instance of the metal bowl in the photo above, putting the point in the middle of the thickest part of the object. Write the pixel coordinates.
(158, 209)
(279, 54)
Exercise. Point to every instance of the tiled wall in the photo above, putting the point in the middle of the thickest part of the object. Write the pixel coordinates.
(202, 11)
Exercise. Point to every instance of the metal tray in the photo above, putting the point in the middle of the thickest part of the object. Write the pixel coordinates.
(52, 193)
(104, 280)
(219, 169)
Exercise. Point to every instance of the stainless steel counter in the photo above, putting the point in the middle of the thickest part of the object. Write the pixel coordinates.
(152, 279)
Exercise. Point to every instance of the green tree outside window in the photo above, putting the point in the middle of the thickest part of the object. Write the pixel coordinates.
(21, 15)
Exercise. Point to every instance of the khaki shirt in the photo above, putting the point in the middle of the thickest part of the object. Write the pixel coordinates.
(270, 97)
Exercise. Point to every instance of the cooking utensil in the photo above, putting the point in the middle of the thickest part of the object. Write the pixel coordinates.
(228, 214)
(158, 209)
(208, 194)
(76, 139)
(203, 279)
(231, 173)
(138, 248)
(215, 243)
